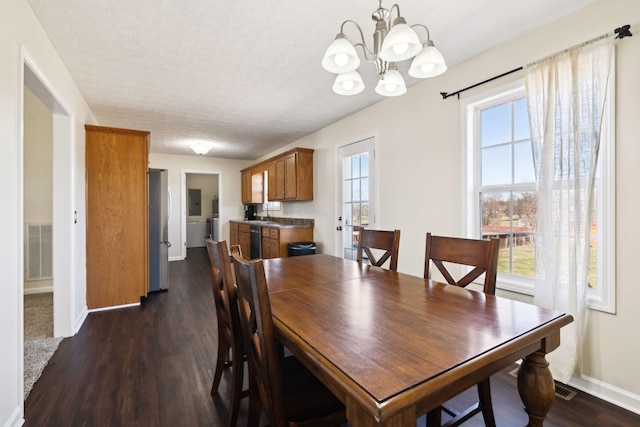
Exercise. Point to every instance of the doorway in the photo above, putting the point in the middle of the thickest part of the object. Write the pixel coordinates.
(63, 215)
(200, 208)
(47, 192)
(356, 192)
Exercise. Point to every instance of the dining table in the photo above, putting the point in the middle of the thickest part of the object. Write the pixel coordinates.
(393, 346)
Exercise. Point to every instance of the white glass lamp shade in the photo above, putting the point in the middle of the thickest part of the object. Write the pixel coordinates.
(200, 149)
(391, 84)
(400, 43)
(348, 83)
(428, 63)
(340, 57)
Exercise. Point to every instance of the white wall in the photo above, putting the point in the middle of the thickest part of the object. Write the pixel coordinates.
(22, 38)
(419, 156)
(230, 197)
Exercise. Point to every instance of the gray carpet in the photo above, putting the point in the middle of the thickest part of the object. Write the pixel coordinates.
(39, 344)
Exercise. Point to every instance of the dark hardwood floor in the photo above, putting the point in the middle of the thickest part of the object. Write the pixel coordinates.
(153, 365)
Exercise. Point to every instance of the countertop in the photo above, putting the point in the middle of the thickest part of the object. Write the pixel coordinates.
(280, 223)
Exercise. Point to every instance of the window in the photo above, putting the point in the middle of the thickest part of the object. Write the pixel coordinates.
(501, 199)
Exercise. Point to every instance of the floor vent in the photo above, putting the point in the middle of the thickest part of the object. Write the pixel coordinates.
(562, 391)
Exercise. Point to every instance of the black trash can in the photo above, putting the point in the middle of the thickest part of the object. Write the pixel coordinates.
(301, 248)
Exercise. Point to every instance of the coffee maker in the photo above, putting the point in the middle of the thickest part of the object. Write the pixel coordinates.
(250, 212)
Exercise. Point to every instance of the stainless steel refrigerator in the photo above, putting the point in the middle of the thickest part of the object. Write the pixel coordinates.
(158, 230)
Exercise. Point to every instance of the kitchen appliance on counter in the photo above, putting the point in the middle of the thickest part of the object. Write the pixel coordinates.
(250, 212)
(158, 230)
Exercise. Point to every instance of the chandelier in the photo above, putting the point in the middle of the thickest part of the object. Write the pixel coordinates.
(393, 41)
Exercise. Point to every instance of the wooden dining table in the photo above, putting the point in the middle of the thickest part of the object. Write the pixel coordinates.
(392, 346)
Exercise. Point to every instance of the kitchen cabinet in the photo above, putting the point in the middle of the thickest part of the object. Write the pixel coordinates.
(244, 239)
(270, 243)
(252, 186)
(275, 240)
(117, 233)
(289, 175)
(233, 234)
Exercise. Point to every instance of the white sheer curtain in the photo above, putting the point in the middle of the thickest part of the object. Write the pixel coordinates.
(565, 95)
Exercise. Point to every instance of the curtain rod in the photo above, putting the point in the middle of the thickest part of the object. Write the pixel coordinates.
(621, 32)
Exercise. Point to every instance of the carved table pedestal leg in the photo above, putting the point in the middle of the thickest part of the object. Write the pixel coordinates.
(536, 387)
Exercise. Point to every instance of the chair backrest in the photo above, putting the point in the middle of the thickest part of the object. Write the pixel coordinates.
(387, 241)
(224, 290)
(262, 351)
(481, 254)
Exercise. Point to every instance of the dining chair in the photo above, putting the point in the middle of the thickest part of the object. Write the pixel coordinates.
(387, 241)
(288, 393)
(482, 255)
(229, 329)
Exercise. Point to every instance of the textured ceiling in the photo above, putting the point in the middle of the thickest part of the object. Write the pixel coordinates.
(245, 77)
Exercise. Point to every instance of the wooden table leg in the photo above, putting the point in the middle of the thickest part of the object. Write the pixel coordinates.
(536, 387)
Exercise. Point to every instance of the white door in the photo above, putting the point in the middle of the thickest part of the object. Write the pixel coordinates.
(356, 192)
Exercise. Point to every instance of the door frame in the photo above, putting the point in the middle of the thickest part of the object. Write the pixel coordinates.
(183, 204)
(375, 212)
(64, 214)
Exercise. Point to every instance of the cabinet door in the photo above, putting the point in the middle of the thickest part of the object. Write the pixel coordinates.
(290, 178)
(233, 233)
(257, 187)
(271, 173)
(279, 179)
(244, 240)
(246, 187)
(266, 248)
(274, 239)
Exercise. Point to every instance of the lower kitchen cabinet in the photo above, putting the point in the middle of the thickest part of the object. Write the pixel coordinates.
(276, 239)
(239, 235)
(233, 234)
(244, 239)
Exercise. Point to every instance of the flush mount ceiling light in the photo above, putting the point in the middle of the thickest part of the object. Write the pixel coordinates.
(393, 41)
(200, 148)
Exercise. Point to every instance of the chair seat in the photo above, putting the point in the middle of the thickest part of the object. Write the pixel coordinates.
(306, 398)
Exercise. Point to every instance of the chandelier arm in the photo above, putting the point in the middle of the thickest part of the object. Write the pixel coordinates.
(368, 55)
(422, 26)
(397, 11)
(363, 44)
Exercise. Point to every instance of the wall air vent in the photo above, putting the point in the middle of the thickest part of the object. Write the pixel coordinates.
(38, 251)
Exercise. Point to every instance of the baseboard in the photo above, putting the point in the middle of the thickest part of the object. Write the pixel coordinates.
(80, 320)
(16, 419)
(607, 392)
(114, 307)
(176, 258)
(43, 290)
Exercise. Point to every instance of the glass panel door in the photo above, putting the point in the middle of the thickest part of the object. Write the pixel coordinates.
(356, 192)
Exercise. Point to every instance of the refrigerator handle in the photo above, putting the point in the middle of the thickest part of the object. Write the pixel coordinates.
(170, 203)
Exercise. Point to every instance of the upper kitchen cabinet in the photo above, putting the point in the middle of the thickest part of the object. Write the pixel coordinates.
(289, 175)
(116, 163)
(253, 185)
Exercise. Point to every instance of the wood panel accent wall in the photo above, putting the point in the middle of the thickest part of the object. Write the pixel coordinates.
(116, 164)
